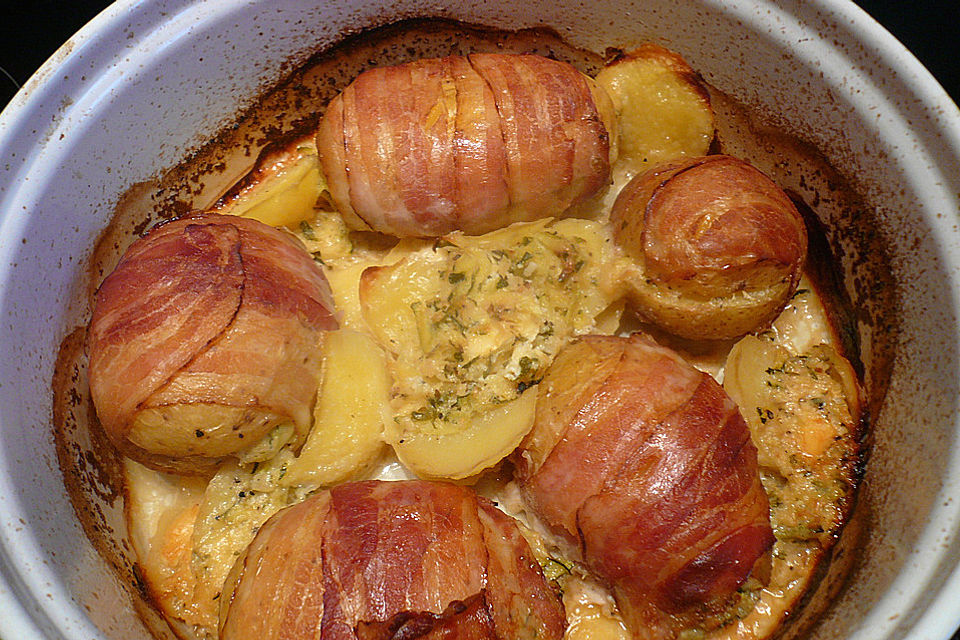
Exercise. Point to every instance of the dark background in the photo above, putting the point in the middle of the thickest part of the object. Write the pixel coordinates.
(36, 28)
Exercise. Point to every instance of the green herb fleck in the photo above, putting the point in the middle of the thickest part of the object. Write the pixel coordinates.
(307, 230)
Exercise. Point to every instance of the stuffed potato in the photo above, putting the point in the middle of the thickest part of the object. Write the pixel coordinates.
(465, 142)
(205, 339)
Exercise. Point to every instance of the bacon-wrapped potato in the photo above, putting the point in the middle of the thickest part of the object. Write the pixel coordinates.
(389, 560)
(206, 338)
(718, 247)
(645, 465)
(469, 143)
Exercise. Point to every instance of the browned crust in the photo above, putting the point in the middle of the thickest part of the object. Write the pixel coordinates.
(668, 59)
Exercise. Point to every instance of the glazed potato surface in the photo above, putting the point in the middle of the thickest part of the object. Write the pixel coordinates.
(437, 372)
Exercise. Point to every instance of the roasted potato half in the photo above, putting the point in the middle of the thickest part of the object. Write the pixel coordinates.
(718, 248)
(470, 325)
(663, 108)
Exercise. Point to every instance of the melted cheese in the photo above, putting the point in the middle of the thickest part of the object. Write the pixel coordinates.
(474, 321)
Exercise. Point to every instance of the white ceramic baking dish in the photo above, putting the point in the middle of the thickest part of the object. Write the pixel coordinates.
(146, 82)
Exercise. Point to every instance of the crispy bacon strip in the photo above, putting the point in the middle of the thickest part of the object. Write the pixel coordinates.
(647, 467)
(719, 214)
(207, 311)
(471, 143)
(521, 605)
(468, 620)
(390, 560)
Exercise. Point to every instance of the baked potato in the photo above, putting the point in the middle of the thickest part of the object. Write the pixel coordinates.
(645, 468)
(380, 560)
(468, 143)
(718, 248)
(205, 339)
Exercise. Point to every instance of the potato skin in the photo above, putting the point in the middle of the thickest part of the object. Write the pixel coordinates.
(718, 247)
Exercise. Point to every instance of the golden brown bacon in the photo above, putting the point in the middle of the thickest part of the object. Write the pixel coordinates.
(645, 465)
(719, 246)
(389, 561)
(471, 143)
(205, 337)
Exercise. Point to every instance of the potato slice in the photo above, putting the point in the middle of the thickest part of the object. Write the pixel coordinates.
(664, 108)
(389, 297)
(488, 438)
(345, 285)
(237, 501)
(590, 623)
(282, 188)
(161, 509)
(804, 322)
(350, 415)
(744, 372)
(590, 620)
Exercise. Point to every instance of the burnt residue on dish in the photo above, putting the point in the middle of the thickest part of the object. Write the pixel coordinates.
(91, 467)
(849, 262)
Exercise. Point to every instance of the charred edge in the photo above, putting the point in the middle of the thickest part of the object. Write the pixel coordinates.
(271, 153)
(829, 281)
